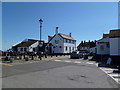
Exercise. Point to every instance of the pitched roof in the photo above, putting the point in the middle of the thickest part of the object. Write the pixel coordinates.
(105, 35)
(65, 36)
(26, 43)
(50, 36)
(87, 44)
(115, 33)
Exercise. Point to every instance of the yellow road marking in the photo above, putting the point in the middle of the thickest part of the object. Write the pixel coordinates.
(6, 64)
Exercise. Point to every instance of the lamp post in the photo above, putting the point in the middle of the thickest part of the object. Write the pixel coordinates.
(40, 28)
(40, 38)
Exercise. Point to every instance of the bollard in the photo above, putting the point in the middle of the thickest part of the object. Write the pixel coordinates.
(26, 59)
(45, 56)
(24, 56)
(32, 57)
(40, 57)
(11, 60)
(51, 56)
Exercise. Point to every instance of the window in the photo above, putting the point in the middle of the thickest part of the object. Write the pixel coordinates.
(66, 48)
(73, 48)
(69, 41)
(21, 49)
(66, 40)
(73, 42)
(34, 49)
(108, 45)
(60, 47)
(102, 48)
(25, 49)
(69, 49)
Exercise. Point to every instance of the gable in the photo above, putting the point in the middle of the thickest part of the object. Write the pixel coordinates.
(55, 37)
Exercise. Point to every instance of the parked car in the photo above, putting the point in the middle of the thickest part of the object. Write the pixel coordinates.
(76, 54)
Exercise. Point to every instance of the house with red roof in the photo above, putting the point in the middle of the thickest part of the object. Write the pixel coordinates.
(60, 43)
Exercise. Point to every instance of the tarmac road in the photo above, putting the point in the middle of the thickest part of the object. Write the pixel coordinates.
(65, 73)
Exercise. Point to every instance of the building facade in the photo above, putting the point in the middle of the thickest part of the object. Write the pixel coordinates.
(114, 42)
(109, 44)
(86, 46)
(27, 45)
(103, 46)
(60, 43)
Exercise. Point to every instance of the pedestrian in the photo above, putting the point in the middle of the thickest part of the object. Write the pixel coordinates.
(109, 61)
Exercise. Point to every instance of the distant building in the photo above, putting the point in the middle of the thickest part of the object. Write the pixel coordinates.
(60, 43)
(27, 45)
(109, 44)
(86, 45)
(114, 36)
(103, 46)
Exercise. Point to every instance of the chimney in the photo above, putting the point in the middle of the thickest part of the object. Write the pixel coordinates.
(70, 35)
(57, 30)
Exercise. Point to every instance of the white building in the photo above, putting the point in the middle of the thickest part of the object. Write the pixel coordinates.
(27, 45)
(93, 50)
(109, 44)
(103, 47)
(115, 42)
(61, 43)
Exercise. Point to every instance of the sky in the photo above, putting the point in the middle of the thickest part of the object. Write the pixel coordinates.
(85, 20)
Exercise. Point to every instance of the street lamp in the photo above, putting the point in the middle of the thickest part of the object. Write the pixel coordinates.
(40, 32)
(40, 28)
(40, 38)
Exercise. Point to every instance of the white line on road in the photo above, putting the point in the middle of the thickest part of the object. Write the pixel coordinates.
(110, 75)
(77, 62)
(67, 61)
(57, 60)
(89, 63)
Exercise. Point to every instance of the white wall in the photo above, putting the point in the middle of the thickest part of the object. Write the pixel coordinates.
(19, 49)
(114, 46)
(93, 50)
(68, 49)
(105, 50)
(62, 42)
(34, 46)
(57, 49)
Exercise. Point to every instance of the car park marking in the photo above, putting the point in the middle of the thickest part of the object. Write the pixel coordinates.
(57, 60)
(77, 62)
(110, 73)
(89, 63)
(67, 61)
(6, 64)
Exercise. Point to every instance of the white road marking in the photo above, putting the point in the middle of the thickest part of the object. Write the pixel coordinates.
(110, 75)
(57, 60)
(67, 61)
(107, 69)
(89, 63)
(77, 62)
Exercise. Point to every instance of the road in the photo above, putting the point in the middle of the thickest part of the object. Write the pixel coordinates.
(61, 73)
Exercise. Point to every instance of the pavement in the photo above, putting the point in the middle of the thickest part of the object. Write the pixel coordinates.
(22, 61)
(59, 72)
